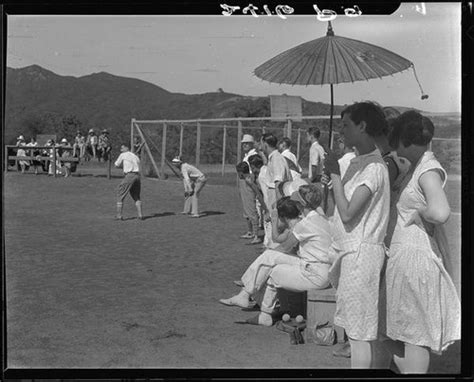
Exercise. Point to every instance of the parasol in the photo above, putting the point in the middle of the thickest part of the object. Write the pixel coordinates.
(333, 60)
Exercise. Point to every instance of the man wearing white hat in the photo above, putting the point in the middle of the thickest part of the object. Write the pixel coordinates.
(247, 194)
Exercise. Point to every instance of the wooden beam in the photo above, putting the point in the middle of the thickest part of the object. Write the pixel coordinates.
(223, 149)
(288, 132)
(54, 161)
(147, 148)
(163, 148)
(239, 138)
(132, 142)
(298, 145)
(233, 119)
(181, 133)
(198, 144)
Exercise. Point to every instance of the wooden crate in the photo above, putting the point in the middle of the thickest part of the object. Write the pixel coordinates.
(320, 308)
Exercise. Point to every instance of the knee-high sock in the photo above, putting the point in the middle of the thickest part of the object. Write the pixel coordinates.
(138, 204)
(119, 209)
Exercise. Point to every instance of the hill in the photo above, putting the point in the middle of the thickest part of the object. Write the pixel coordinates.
(39, 101)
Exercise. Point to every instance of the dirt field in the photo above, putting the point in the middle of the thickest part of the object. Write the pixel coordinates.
(85, 291)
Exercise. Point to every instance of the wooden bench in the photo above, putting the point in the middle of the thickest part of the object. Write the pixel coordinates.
(320, 308)
(16, 157)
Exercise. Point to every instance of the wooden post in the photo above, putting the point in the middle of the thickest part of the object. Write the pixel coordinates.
(181, 132)
(132, 142)
(54, 160)
(298, 145)
(239, 138)
(147, 148)
(163, 148)
(223, 149)
(288, 132)
(109, 171)
(198, 143)
(6, 159)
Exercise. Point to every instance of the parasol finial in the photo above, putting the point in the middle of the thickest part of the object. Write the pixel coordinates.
(330, 32)
(423, 95)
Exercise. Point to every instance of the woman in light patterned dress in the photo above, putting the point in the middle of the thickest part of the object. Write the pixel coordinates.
(360, 220)
(423, 308)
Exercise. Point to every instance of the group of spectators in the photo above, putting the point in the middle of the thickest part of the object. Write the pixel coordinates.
(382, 244)
(92, 146)
(82, 148)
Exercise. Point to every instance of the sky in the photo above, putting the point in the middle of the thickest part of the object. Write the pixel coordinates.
(199, 54)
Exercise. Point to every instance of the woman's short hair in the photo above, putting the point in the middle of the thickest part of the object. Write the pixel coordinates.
(312, 194)
(270, 139)
(411, 128)
(288, 209)
(371, 113)
(255, 161)
(286, 141)
(243, 168)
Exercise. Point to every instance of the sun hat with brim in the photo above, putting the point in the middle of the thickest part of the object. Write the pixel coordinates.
(176, 160)
(91, 130)
(64, 140)
(247, 138)
(21, 138)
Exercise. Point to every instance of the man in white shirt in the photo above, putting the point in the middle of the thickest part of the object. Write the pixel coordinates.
(277, 168)
(247, 194)
(194, 181)
(131, 183)
(316, 155)
(284, 147)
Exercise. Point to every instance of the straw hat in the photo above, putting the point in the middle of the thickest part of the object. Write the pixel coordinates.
(247, 138)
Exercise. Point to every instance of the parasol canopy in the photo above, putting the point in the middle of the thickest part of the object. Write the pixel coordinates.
(332, 60)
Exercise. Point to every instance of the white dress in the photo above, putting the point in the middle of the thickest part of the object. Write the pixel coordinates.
(423, 307)
(358, 251)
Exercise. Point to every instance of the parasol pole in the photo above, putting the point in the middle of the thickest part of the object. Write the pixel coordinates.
(326, 189)
(330, 117)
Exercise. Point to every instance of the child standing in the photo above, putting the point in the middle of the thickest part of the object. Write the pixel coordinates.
(362, 200)
(194, 181)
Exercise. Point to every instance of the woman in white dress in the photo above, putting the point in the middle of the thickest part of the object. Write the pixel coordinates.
(423, 308)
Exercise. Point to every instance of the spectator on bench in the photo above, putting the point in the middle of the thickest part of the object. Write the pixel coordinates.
(308, 269)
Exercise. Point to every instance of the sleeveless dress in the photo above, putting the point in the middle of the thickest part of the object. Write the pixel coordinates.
(423, 307)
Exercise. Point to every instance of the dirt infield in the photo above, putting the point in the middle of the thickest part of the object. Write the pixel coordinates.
(85, 291)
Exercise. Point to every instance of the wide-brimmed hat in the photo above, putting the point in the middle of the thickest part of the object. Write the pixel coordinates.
(176, 160)
(105, 131)
(21, 138)
(91, 131)
(64, 140)
(247, 138)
